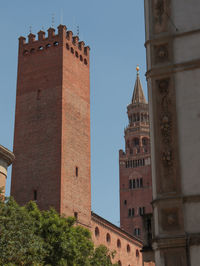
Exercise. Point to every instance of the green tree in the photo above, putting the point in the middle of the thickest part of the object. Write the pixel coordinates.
(29, 236)
(19, 245)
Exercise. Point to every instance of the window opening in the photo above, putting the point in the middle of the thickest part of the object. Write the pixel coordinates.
(76, 171)
(108, 237)
(96, 231)
(141, 182)
(35, 195)
(118, 243)
(38, 94)
(76, 215)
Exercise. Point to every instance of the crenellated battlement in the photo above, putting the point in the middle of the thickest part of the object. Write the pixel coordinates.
(62, 38)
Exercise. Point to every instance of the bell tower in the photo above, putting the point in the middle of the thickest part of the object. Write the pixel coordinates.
(134, 165)
(52, 124)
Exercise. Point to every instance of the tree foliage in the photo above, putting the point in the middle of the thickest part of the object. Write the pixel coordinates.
(29, 236)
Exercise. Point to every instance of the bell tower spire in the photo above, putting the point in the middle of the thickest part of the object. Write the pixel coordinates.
(138, 94)
(134, 165)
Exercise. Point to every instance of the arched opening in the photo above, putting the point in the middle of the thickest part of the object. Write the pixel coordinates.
(97, 231)
(118, 243)
(108, 238)
(136, 142)
(137, 253)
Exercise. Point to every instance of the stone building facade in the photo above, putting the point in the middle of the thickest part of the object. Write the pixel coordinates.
(135, 166)
(52, 136)
(173, 71)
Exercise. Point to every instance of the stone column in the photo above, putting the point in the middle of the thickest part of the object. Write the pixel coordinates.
(6, 158)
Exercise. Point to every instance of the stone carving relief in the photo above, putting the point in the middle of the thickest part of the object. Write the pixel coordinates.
(170, 219)
(161, 15)
(161, 53)
(165, 126)
(159, 11)
(166, 134)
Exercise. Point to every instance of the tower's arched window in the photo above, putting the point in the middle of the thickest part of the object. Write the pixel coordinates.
(137, 231)
(136, 142)
(144, 141)
(119, 263)
(141, 117)
(138, 117)
(127, 144)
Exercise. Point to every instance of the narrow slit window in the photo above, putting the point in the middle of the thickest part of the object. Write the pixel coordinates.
(130, 184)
(38, 94)
(76, 171)
(76, 215)
(35, 195)
(141, 182)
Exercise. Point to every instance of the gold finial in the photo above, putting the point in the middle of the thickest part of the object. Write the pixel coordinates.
(137, 68)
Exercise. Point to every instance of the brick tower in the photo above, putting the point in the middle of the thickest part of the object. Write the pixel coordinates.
(52, 124)
(134, 166)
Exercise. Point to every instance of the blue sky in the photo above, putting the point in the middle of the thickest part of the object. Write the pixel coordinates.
(114, 30)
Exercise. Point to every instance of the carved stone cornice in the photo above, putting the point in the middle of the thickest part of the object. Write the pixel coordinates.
(191, 198)
(160, 71)
(6, 155)
(169, 242)
(184, 199)
(169, 37)
(193, 239)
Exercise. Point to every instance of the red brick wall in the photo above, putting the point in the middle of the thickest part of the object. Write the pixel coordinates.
(137, 197)
(76, 191)
(127, 256)
(52, 125)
